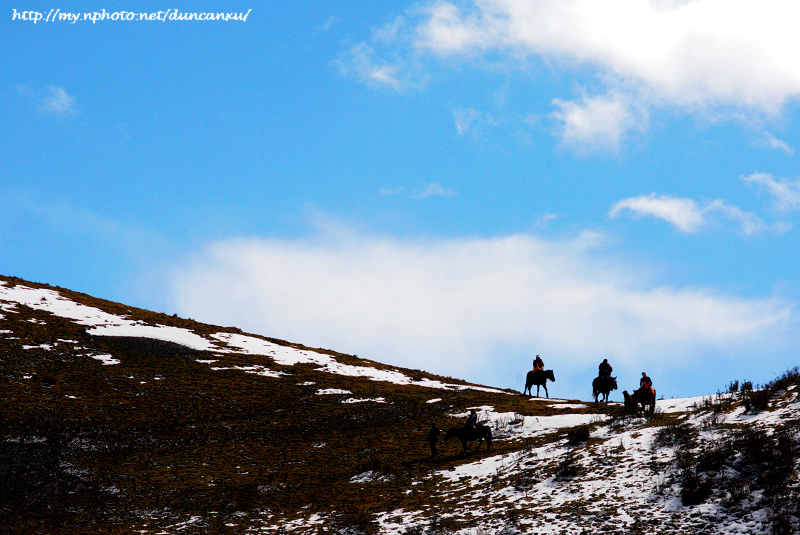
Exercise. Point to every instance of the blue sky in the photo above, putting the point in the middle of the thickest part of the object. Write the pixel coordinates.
(447, 186)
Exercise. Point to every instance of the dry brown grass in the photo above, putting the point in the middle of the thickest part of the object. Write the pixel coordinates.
(161, 432)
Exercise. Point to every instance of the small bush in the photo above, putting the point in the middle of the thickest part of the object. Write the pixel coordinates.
(756, 400)
(695, 489)
(354, 520)
(568, 467)
(674, 434)
(578, 435)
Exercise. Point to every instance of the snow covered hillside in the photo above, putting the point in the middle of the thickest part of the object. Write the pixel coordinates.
(120, 420)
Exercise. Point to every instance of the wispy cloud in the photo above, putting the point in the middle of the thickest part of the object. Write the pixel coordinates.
(391, 191)
(683, 214)
(472, 121)
(785, 193)
(65, 216)
(544, 219)
(599, 122)
(362, 62)
(433, 189)
(464, 118)
(54, 100)
(57, 101)
(776, 143)
(453, 305)
(391, 31)
(688, 216)
(328, 24)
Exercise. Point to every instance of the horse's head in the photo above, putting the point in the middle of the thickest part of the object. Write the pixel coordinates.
(549, 375)
(613, 383)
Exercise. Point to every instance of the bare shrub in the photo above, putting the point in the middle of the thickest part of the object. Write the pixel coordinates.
(578, 435)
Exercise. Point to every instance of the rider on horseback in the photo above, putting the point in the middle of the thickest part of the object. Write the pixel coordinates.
(538, 363)
(472, 420)
(646, 384)
(605, 369)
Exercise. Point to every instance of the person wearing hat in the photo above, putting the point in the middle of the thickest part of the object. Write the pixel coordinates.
(605, 369)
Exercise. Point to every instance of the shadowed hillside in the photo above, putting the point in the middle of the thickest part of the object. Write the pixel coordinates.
(117, 419)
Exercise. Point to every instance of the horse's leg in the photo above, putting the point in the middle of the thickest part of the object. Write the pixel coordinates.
(546, 393)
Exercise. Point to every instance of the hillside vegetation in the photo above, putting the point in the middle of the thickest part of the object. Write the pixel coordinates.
(118, 420)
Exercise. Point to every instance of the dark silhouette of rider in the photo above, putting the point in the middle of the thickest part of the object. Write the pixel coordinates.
(646, 384)
(538, 363)
(605, 369)
(433, 438)
(472, 419)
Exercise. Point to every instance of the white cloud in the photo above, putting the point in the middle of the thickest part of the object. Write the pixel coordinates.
(597, 123)
(786, 193)
(733, 53)
(458, 305)
(683, 214)
(57, 101)
(362, 62)
(716, 59)
(433, 189)
(749, 222)
(776, 143)
(688, 216)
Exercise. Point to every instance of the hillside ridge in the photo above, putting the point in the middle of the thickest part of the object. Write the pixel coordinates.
(116, 419)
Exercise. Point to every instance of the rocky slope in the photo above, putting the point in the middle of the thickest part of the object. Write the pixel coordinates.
(119, 420)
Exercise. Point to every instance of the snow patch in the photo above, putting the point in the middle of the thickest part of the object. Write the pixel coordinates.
(326, 391)
(361, 400)
(106, 359)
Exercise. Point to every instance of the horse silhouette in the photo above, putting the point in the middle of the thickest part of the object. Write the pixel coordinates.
(640, 400)
(538, 378)
(465, 434)
(603, 385)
